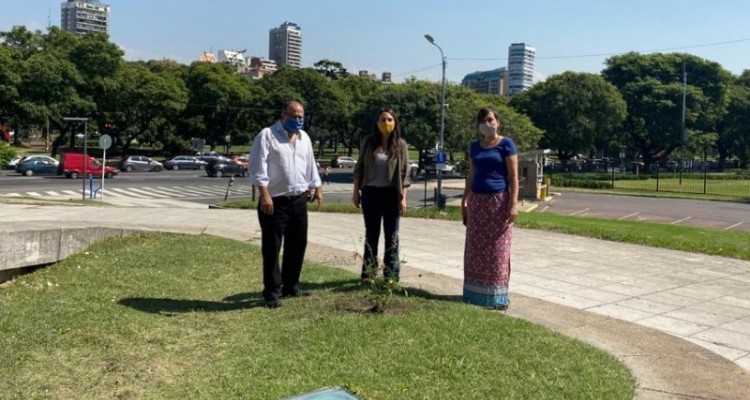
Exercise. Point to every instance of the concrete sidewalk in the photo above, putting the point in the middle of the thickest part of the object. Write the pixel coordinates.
(680, 321)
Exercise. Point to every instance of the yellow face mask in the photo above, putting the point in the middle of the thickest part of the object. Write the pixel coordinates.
(386, 127)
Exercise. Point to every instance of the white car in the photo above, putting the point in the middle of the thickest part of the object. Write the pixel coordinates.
(430, 168)
(345, 162)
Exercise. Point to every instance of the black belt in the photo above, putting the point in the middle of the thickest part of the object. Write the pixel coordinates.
(290, 197)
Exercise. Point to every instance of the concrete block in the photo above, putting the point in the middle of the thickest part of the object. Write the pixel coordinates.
(74, 240)
(21, 248)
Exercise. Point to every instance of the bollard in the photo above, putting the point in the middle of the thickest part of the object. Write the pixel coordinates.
(229, 187)
(91, 187)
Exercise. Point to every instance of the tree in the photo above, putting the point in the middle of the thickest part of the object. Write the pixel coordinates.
(218, 99)
(146, 104)
(735, 129)
(356, 91)
(9, 82)
(332, 70)
(652, 86)
(578, 112)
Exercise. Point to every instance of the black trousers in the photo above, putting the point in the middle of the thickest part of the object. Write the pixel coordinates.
(380, 206)
(287, 225)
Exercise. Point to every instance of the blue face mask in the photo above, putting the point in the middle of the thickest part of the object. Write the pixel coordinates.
(293, 124)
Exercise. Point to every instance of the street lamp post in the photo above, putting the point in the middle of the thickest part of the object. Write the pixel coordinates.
(440, 153)
(85, 149)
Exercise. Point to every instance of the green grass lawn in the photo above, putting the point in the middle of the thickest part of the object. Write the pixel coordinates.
(174, 316)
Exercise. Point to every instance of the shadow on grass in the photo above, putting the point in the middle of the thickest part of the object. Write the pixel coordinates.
(248, 300)
(170, 307)
(354, 285)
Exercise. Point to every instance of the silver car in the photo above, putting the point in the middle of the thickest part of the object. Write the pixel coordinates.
(140, 163)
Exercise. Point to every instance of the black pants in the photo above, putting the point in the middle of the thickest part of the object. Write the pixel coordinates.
(380, 205)
(287, 225)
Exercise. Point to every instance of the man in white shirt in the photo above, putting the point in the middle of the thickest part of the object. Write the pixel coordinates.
(282, 166)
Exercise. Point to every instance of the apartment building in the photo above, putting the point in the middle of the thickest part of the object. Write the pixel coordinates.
(285, 45)
(84, 16)
(521, 59)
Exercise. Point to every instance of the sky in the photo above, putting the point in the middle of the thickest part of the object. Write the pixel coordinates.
(388, 35)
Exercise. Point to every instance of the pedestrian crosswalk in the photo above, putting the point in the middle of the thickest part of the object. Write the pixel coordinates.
(164, 192)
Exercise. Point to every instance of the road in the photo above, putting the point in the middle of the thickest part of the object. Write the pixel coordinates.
(196, 187)
(192, 186)
(714, 214)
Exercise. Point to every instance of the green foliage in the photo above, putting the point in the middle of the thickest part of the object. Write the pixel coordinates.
(652, 86)
(578, 112)
(7, 152)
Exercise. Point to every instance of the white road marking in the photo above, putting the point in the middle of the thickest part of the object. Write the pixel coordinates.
(734, 226)
(629, 215)
(580, 211)
(129, 194)
(544, 209)
(161, 191)
(680, 220)
(148, 193)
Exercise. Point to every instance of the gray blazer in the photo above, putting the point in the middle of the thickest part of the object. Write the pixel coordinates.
(398, 167)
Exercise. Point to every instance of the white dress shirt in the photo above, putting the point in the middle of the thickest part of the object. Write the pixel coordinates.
(286, 169)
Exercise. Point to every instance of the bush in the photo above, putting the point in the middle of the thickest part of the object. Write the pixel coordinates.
(7, 152)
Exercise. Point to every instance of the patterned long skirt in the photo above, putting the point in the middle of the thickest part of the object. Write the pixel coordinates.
(487, 250)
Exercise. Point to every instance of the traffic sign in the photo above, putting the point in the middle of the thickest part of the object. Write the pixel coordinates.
(440, 157)
(105, 141)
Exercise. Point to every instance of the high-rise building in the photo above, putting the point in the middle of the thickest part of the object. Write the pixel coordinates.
(520, 67)
(493, 82)
(84, 16)
(285, 45)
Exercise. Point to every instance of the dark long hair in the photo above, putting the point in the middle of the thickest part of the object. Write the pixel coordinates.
(393, 140)
(484, 112)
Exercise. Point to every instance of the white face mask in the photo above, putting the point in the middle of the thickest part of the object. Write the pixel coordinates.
(487, 129)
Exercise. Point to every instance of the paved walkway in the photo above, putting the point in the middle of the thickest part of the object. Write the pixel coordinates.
(615, 295)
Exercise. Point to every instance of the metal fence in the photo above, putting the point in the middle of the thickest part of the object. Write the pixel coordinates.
(686, 176)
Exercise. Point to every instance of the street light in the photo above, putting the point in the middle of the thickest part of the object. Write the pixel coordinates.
(440, 154)
(85, 150)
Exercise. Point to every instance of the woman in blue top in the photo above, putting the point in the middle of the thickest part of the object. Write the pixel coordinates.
(489, 207)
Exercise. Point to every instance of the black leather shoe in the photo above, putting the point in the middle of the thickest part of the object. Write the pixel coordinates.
(297, 293)
(273, 303)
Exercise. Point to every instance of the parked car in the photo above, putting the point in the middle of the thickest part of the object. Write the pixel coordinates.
(140, 163)
(73, 164)
(207, 155)
(430, 168)
(37, 166)
(222, 166)
(185, 162)
(22, 159)
(343, 162)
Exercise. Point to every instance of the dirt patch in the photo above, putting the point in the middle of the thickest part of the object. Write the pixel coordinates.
(366, 306)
